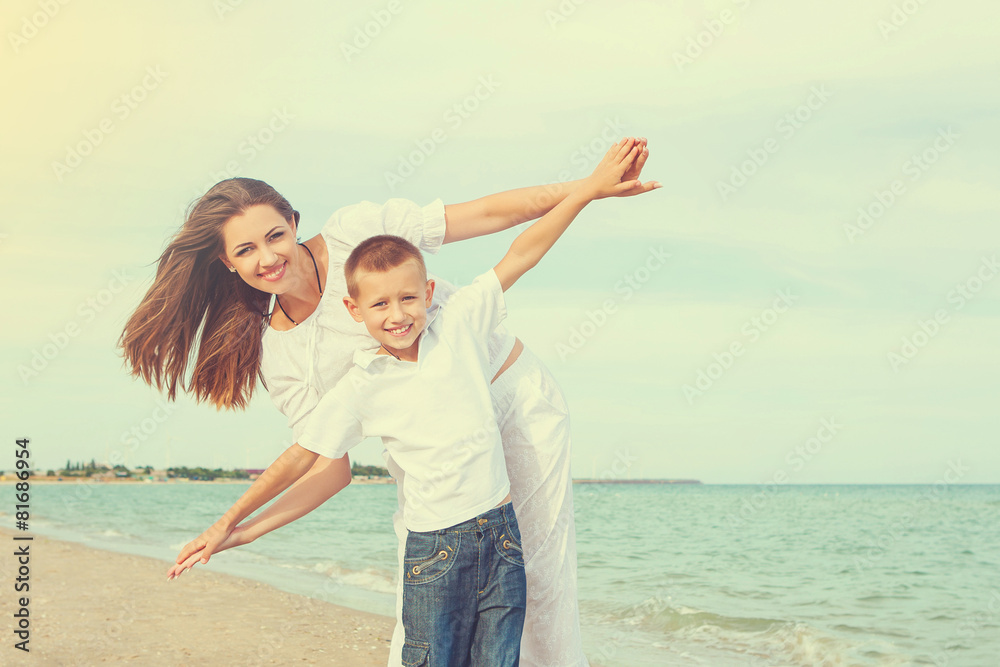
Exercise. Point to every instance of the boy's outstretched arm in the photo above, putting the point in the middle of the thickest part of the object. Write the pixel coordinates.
(503, 210)
(290, 466)
(325, 479)
(606, 181)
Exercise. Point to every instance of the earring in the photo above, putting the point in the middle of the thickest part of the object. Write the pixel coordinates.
(232, 269)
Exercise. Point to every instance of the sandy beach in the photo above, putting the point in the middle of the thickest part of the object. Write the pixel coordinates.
(89, 606)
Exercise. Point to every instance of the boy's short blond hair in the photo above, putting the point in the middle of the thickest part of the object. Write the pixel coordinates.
(379, 254)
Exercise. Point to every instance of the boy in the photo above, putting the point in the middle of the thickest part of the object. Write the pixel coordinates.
(426, 392)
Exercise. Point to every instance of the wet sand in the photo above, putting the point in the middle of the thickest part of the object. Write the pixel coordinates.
(88, 606)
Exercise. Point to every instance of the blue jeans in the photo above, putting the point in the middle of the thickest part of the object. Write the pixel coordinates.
(464, 593)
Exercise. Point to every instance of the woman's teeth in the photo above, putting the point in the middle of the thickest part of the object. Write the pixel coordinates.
(277, 273)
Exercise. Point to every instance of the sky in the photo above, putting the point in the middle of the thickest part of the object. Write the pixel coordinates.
(812, 297)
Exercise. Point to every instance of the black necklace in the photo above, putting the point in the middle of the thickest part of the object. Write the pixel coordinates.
(390, 352)
(318, 284)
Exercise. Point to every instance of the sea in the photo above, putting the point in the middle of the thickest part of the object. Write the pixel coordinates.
(693, 574)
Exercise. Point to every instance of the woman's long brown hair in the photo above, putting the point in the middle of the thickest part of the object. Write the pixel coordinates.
(196, 301)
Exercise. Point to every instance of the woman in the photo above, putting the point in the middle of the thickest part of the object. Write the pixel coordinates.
(236, 249)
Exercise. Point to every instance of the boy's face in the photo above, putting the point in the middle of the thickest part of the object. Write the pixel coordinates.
(393, 305)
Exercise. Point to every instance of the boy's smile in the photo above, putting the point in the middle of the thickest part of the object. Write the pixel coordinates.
(393, 305)
(401, 331)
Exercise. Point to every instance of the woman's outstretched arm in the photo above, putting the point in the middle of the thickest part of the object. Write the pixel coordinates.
(504, 210)
(290, 466)
(325, 478)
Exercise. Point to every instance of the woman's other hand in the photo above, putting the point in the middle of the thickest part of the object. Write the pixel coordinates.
(177, 569)
(236, 537)
(608, 180)
(203, 546)
(633, 172)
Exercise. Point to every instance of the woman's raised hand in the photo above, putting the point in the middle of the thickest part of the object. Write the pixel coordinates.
(616, 174)
(635, 169)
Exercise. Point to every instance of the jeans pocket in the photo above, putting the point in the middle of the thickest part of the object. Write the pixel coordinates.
(416, 654)
(508, 543)
(429, 556)
(420, 546)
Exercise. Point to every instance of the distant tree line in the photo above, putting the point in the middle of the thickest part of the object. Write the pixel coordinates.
(82, 469)
(368, 471)
(87, 469)
(206, 474)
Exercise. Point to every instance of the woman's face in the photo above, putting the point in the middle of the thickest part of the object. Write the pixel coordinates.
(260, 244)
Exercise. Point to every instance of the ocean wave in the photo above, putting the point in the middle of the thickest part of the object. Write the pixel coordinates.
(369, 579)
(749, 641)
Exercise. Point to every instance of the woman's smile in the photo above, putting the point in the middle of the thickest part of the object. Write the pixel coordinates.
(274, 274)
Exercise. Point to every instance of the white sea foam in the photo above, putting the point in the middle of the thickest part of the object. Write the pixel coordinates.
(368, 579)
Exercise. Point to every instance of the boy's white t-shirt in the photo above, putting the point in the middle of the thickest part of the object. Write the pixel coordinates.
(435, 415)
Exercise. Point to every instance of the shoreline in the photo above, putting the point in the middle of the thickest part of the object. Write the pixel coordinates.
(10, 479)
(87, 605)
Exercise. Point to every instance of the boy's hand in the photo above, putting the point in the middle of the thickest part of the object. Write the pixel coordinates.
(607, 179)
(206, 544)
(236, 538)
(177, 569)
(633, 172)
